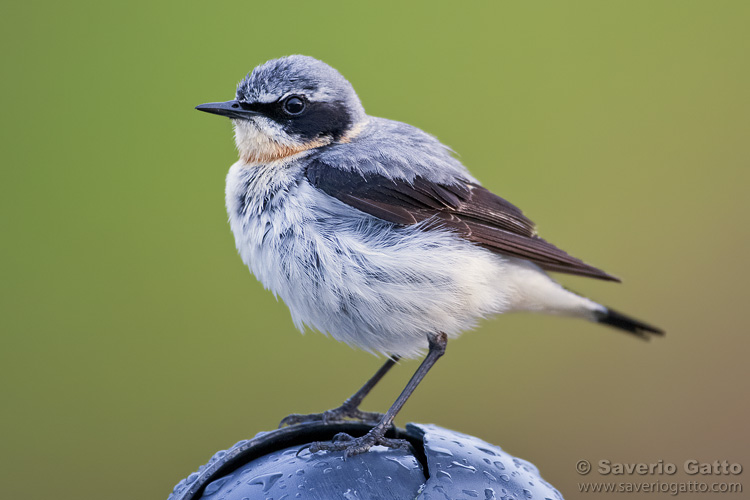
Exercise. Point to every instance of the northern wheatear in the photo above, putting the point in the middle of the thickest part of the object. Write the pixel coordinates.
(370, 230)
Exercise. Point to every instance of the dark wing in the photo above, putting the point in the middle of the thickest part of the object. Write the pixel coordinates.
(467, 208)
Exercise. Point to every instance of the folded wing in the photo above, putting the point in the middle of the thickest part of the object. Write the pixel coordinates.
(473, 212)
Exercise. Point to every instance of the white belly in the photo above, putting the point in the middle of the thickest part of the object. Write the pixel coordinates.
(368, 283)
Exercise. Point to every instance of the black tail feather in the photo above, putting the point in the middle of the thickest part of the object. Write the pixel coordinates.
(618, 320)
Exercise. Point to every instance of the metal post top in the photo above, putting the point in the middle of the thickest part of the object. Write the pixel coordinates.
(440, 464)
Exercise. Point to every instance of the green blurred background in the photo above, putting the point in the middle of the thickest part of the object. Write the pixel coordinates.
(135, 343)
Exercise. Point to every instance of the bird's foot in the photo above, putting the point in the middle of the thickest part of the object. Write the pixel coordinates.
(354, 446)
(340, 414)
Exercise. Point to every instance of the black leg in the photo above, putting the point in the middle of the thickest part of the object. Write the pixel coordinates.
(354, 446)
(350, 408)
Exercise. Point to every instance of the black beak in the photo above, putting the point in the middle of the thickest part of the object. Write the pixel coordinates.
(232, 109)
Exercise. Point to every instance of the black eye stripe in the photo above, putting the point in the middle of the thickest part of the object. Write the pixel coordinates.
(319, 118)
(278, 109)
(267, 108)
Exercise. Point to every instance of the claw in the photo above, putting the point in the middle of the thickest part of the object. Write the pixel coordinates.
(342, 437)
(306, 447)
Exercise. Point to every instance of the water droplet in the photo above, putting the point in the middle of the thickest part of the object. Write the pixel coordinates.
(489, 494)
(191, 478)
(441, 451)
(489, 476)
(328, 470)
(505, 477)
(444, 475)
(487, 451)
(499, 465)
(527, 493)
(266, 480)
(399, 462)
(351, 495)
(467, 467)
(300, 472)
(471, 493)
(215, 486)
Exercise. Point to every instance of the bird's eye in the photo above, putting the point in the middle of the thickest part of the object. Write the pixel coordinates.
(294, 105)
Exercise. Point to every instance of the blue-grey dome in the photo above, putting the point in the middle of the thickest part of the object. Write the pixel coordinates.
(442, 464)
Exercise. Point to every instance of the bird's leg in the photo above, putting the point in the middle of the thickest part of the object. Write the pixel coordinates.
(353, 446)
(350, 408)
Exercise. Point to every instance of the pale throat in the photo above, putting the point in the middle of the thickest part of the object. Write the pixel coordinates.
(257, 147)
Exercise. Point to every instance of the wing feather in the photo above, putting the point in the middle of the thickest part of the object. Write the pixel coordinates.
(473, 212)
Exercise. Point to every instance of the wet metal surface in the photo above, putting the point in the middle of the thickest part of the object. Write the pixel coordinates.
(443, 464)
(378, 474)
(465, 467)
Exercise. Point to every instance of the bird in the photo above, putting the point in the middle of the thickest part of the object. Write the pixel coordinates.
(372, 231)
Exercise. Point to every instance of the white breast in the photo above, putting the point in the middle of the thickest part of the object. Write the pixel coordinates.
(368, 283)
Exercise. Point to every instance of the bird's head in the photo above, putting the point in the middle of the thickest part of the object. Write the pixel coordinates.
(290, 105)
